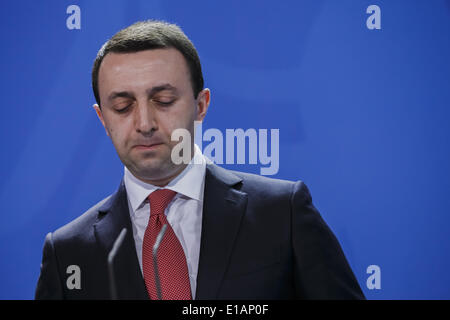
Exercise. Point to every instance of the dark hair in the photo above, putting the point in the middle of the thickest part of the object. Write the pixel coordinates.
(147, 35)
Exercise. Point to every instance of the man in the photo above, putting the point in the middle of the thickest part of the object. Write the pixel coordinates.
(228, 235)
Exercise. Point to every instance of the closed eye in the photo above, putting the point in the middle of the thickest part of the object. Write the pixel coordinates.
(164, 103)
(123, 110)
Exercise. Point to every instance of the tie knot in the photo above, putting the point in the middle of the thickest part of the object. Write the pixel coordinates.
(159, 200)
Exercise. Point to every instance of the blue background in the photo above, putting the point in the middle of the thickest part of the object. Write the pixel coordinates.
(363, 118)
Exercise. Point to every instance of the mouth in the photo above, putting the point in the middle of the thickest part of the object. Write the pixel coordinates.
(148, 147)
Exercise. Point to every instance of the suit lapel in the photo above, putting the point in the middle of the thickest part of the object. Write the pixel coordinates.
(113, 217)
(223, 209)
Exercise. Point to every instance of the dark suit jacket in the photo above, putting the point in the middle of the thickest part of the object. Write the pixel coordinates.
(261, 239)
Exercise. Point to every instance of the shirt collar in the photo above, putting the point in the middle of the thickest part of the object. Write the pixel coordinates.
(189, 183)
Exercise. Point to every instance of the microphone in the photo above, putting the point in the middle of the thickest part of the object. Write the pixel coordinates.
(111, 256)
(155, 260)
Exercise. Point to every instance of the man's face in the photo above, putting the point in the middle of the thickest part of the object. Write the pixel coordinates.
(144, 97)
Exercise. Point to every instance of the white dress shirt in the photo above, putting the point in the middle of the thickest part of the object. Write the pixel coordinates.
(184, 212)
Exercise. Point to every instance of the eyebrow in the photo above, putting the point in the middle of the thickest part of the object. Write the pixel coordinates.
(150, 92)
(162, 87)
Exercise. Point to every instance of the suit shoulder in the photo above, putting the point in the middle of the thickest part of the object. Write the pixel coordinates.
(264, 180)
(267, 186)
(78, 227)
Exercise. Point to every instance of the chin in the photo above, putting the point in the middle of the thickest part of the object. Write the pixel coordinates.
(155, 171)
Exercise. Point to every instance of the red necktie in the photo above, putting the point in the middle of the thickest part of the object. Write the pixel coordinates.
(172, 267)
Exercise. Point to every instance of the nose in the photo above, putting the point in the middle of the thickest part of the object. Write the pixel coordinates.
(145, 121)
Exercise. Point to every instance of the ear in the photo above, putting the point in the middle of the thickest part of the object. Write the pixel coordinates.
(203, 100)
(100, 116)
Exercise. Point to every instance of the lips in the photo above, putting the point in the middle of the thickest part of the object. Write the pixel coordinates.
(147, 146)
